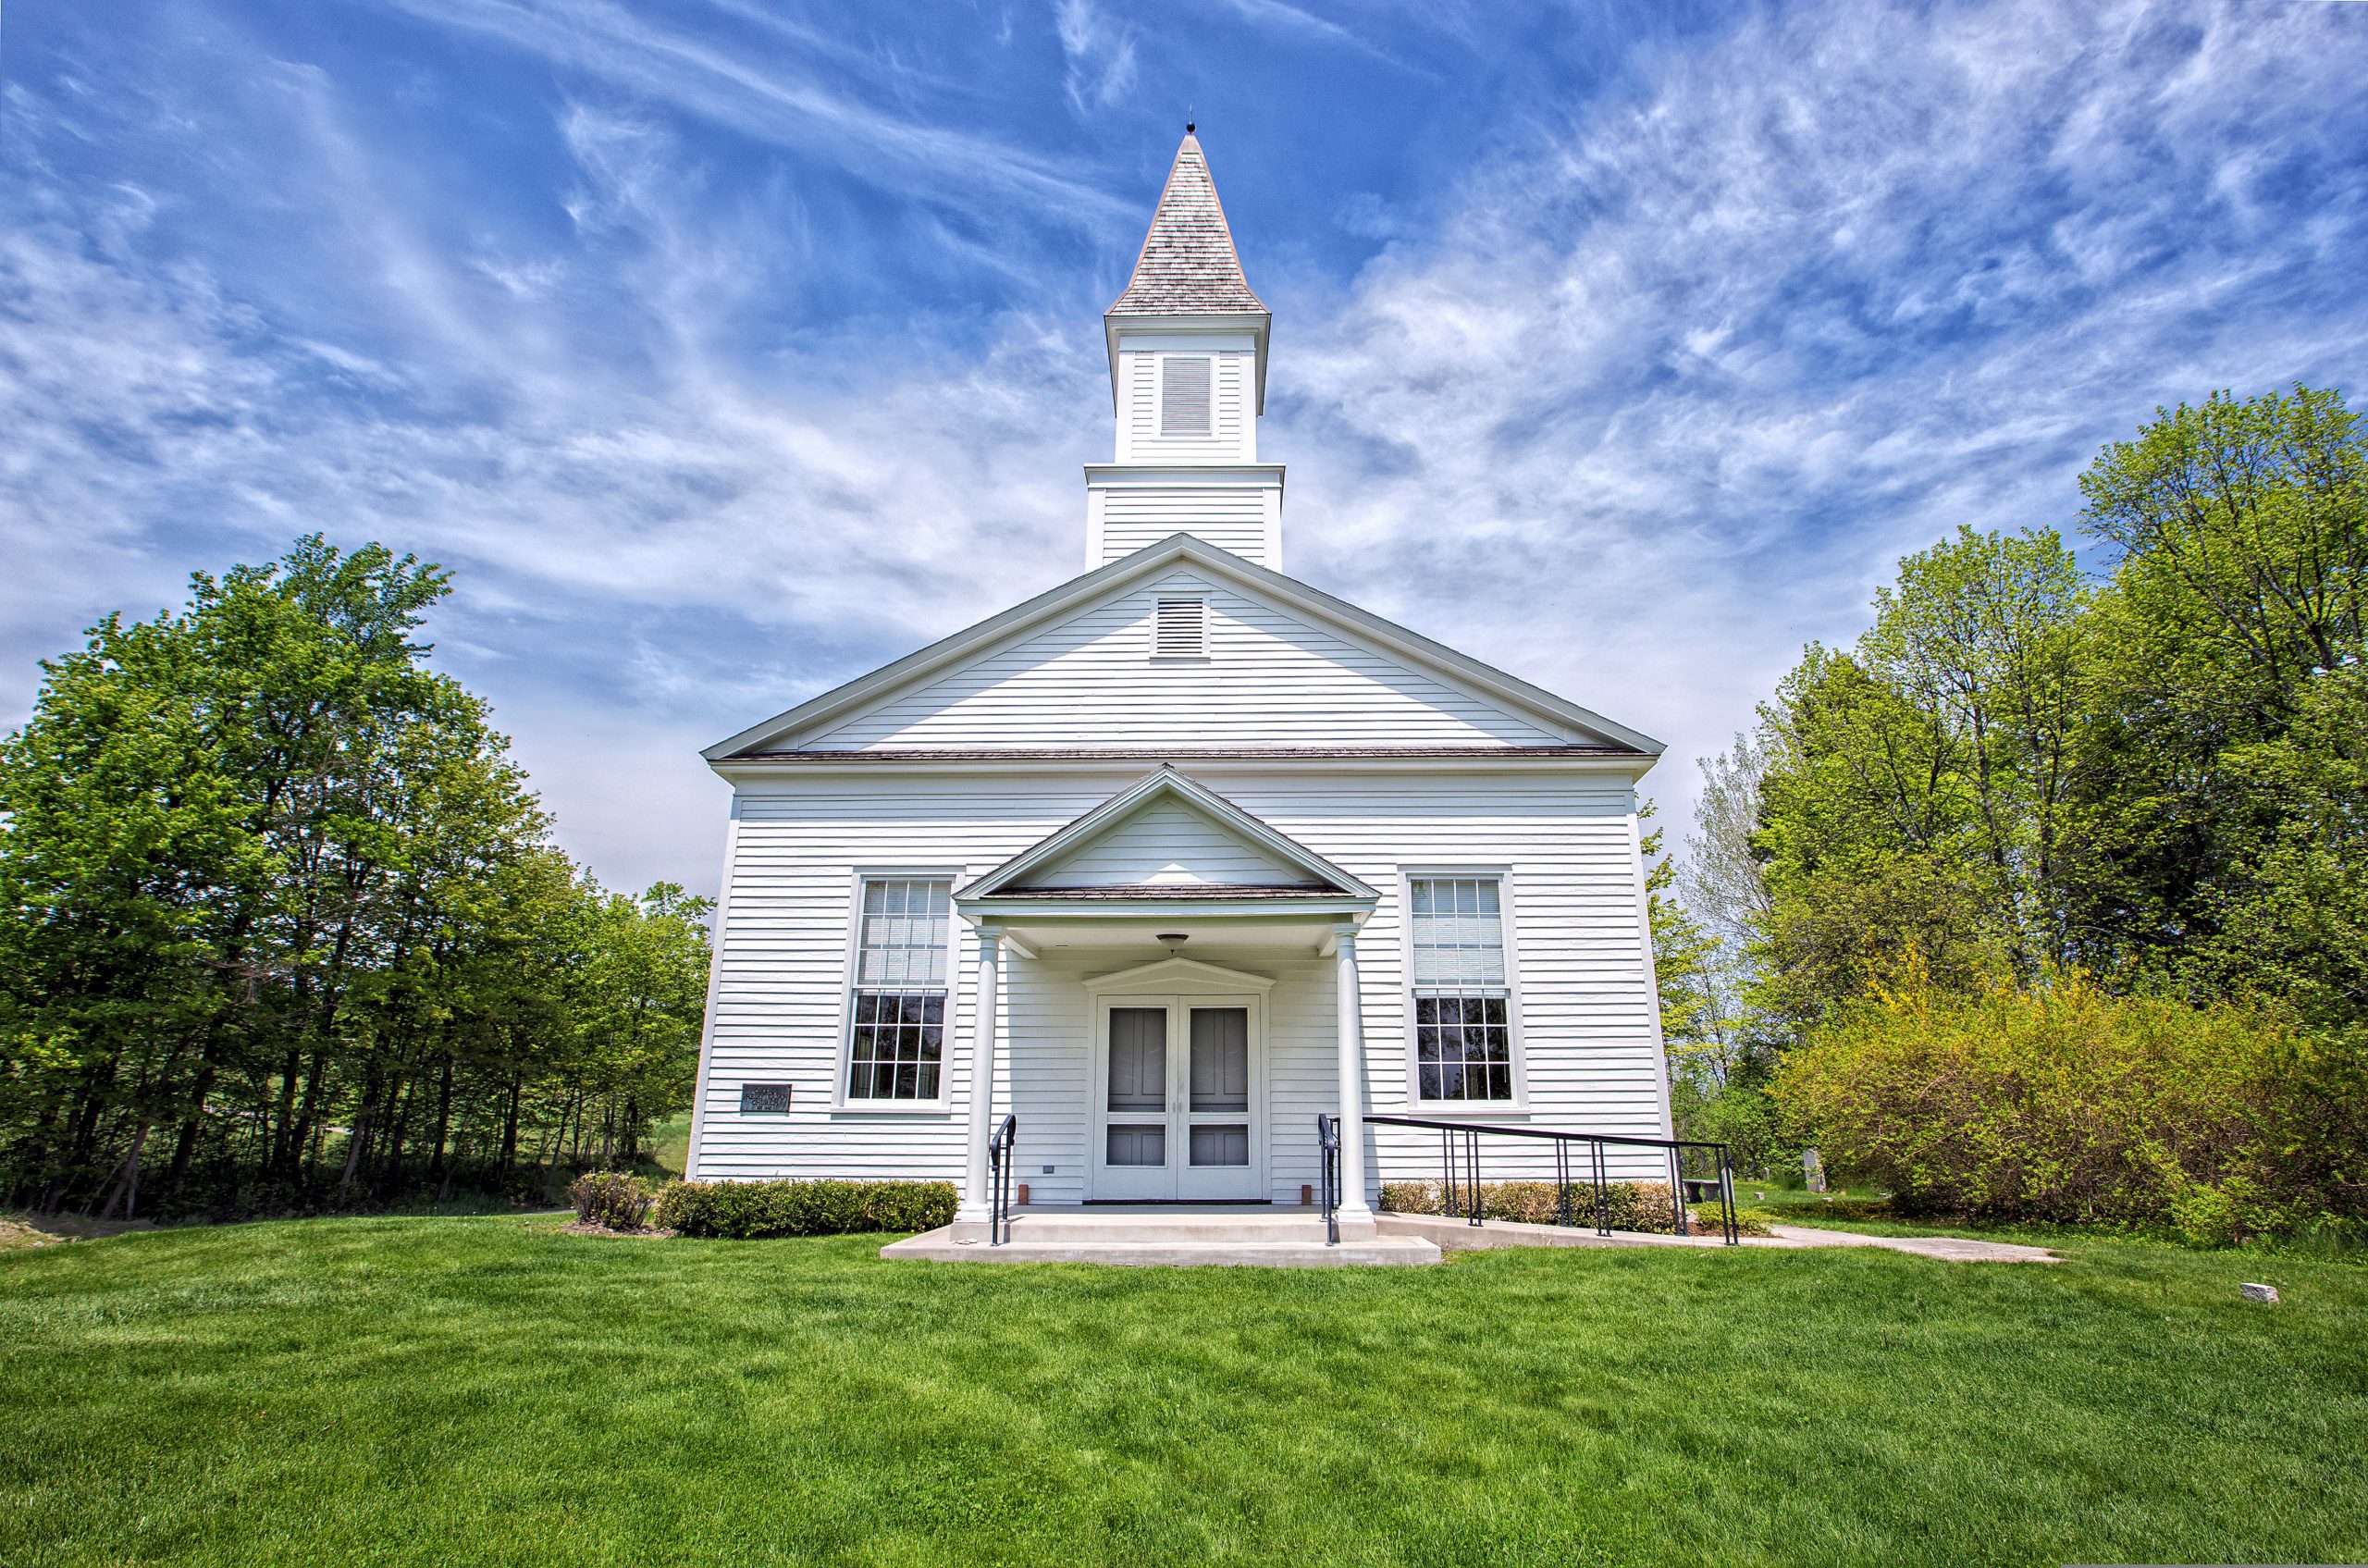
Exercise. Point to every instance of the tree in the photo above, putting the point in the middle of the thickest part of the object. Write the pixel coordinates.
(276, 890)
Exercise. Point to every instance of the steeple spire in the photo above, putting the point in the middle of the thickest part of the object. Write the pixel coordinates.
(1188, 265)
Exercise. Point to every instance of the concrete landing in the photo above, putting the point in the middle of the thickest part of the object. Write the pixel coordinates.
(1168, 1236)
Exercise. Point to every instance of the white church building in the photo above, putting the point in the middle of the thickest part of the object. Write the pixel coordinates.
(1176, 856)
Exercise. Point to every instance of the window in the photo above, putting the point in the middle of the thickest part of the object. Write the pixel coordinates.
(1183, 394)
(896, 1038)
(1181, 629)
(1462, 1000)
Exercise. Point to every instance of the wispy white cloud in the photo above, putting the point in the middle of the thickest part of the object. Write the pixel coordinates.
(1100, 53)
(779, 100)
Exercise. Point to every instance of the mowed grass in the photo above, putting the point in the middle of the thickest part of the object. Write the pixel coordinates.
(490, 1390)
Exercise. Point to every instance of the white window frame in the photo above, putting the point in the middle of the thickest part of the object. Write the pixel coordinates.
(842, 1041)
(1159, 395)
(1515, 1042)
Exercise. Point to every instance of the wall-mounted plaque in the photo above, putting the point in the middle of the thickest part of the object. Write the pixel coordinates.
(764, 1098)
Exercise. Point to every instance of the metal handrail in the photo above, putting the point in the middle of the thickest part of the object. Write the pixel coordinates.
(1462, 1190)
(1327, 1164)
(999, 1181)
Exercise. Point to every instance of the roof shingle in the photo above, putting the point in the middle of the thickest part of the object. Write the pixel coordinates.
(1188, 265)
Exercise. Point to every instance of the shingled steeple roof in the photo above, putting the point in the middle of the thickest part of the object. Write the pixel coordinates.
(1188, 265)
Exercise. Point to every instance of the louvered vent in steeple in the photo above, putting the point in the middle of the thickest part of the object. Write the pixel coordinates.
(1183, 394)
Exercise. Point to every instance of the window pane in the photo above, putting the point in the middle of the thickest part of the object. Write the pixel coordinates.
(896, 1055)
(1459, 931)
(905, 928)
(1462, 1047)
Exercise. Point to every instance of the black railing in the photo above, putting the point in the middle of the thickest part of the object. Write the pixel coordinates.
(1328, 1165)
(999, 1181)
(1460, 1191)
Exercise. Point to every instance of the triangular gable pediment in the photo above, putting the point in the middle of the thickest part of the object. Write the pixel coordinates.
(1167, 835)
(1288, 666)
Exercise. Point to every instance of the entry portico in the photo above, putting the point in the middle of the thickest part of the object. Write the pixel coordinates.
(1175, 1102)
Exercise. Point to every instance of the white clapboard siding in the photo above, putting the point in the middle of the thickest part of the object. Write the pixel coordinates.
(1231, 436)
(1272, 678)
(1167, 841)
(1230, 516)
(1567, 844)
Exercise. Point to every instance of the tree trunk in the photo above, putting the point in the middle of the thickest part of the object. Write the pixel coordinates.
(390, 1171)
(358, 1137)
(508, 1161)
(185, 1144)
(126, 1182)
(283, 1146)
(443, 1121)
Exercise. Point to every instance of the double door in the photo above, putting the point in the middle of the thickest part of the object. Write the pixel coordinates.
(1179, 1096)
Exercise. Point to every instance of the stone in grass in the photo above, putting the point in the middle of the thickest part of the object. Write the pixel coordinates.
(2266, 1295)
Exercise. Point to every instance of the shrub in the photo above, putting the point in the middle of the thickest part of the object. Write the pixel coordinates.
(611, 1198)
(2060, 1102)
(1631, 1205)
(747, 1210)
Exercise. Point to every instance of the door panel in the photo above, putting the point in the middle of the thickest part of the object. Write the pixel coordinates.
(1220, 1058)
(1138, 1059)
(1128, 1144)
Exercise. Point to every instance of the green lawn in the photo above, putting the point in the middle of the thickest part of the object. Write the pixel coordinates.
(488, 1390)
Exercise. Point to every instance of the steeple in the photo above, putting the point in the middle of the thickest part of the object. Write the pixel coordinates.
(1187, 342)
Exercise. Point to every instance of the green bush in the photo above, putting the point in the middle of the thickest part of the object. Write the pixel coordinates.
(1631, 1205)
(2062, 1103)
(611, 1198)
(747, 1210)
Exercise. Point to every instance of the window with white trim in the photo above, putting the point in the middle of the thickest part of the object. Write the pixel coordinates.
(1180, 627)
(1462, 999)
(896, 1027)
(1184, 394)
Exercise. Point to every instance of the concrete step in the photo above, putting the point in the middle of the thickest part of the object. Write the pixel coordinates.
(1181, 1225)
(1156, 1252)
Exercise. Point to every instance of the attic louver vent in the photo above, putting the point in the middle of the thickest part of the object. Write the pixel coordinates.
(1183, 395)
(1181, 629)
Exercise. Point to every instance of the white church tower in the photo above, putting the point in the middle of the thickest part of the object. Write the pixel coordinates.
(1188, 382)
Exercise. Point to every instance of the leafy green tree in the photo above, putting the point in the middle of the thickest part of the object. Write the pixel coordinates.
(275, 890)
(2214, 780)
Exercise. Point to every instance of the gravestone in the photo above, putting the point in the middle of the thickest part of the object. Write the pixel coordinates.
(2266, 1295)
(1813, 1169)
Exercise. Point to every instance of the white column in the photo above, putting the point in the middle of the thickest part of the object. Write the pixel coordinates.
(982, 1076)
(1354, 1210)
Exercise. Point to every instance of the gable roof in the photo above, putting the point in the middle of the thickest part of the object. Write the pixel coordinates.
(1316, 876)
(840, 701)
(1187, 265)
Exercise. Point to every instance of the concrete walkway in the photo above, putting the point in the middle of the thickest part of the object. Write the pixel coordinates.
(1456, 1236)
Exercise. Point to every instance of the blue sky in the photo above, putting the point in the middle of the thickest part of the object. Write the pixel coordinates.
(728, 349)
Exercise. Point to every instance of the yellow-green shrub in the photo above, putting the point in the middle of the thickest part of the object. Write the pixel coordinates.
(2062, 1101)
